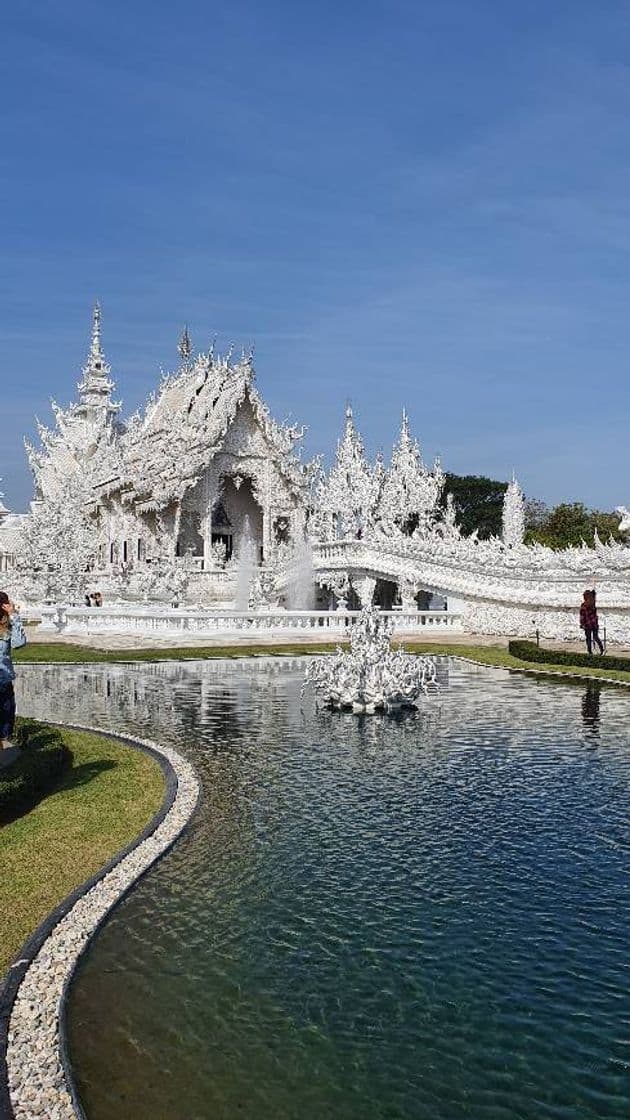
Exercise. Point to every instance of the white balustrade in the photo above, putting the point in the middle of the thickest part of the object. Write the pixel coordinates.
(207, 623)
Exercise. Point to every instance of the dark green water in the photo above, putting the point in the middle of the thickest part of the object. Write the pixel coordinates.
(368, 919)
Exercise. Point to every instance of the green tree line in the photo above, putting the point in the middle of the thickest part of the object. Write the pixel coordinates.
(479, 505)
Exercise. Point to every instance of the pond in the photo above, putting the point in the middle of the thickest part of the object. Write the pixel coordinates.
(369, 918)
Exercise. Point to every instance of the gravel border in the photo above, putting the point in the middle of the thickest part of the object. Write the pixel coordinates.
(36, 1081)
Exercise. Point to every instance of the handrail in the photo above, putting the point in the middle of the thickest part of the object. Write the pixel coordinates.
(151, 619)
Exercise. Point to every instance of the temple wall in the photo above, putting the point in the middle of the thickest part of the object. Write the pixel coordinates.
(561, 623)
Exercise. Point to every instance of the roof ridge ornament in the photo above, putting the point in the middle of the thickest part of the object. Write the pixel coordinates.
(184, 346)
(96, 352)
(95, 387)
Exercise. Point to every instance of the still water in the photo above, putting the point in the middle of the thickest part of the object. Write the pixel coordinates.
(368, 919)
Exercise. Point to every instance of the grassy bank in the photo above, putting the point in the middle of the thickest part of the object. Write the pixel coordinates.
(65, 652)
(498, 655)
(98, 807)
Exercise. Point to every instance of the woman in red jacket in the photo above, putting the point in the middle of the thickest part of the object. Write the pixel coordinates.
(589, 621)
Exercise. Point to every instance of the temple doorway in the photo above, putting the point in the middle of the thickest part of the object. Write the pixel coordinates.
(237, 514)
(190, 539)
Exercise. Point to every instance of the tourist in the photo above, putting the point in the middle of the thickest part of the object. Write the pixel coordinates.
(88, 600)
(12, 636)
(589, 621)
(98, 599)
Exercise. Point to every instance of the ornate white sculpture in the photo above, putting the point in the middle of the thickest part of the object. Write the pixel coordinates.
(11, 530)
(57, 548)
(346, 497)
(409, 498)
(121, 506)
(513, 514)
(371, 677)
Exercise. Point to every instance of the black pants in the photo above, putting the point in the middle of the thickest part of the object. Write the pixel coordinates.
(7, 711)
(592, 635)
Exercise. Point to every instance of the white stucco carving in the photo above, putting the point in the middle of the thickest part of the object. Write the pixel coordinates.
(513, 515)
(155, 509)
(370, 676)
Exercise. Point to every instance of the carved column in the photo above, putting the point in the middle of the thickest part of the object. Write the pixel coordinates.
(266, 532)
(364, 587)
(209, 498)
(407, 595)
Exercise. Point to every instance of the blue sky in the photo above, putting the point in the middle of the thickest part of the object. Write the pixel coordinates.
(398, 203)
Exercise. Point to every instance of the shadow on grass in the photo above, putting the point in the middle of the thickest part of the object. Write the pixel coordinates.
(86, 772)
(29, 790)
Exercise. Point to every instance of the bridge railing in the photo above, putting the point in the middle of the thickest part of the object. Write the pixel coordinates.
(202, 623)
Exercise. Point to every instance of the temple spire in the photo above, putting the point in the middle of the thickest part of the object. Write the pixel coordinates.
(513, 520)
(96, 353)
(95, 387)
(184, 346)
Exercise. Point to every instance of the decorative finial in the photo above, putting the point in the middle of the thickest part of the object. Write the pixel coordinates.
(96, 353)
(184, 346)
(95, 386)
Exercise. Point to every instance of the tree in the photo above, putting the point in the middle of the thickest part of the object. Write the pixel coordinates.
(536, 513)
(570, 523)
(478, 503)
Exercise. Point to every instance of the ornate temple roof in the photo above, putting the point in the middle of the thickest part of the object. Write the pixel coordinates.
(165, 451)
(84, 441)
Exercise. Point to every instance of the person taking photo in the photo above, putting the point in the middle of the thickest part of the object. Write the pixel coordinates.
(12, 636)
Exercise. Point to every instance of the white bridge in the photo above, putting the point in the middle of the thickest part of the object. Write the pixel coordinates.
(493, 589)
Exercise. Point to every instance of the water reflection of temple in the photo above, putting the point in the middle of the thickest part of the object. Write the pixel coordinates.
(260, 697)
(178, 695)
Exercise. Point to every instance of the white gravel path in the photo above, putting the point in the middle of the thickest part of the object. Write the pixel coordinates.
(37, 1082)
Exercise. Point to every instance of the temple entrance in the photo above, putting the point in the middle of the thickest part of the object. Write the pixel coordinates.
(222, 534)
(190, 539)
(237, 515)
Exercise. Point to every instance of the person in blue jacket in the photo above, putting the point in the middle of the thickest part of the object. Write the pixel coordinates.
(12, 636)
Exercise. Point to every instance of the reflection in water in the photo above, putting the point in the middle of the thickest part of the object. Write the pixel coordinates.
(590, 706)
(368, 918)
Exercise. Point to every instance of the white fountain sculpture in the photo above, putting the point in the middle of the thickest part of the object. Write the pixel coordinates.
(370, 676)
(246, 567)
(301, 577)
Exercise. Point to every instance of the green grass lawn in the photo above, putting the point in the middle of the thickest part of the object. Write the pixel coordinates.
(99, 806)
(500, 657)
(66, 652)
(489, 655)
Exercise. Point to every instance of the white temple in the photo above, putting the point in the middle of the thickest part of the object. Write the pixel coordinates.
(171, 505)
(11, 527)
